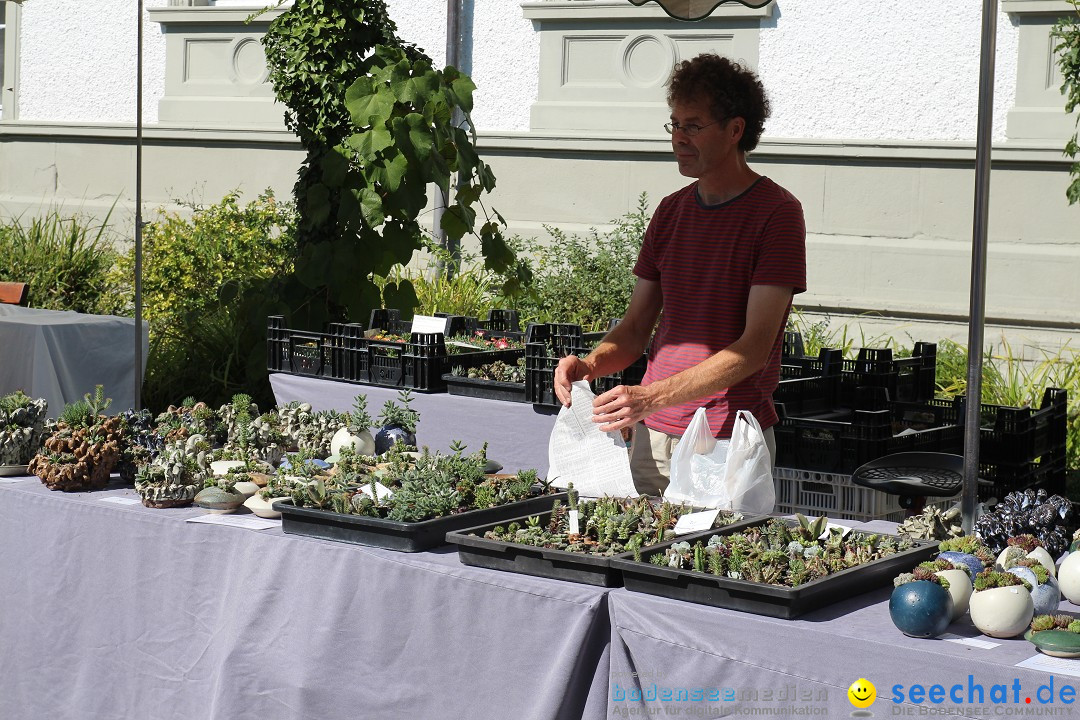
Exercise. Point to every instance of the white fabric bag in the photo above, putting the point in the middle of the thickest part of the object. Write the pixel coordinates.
(733, 474)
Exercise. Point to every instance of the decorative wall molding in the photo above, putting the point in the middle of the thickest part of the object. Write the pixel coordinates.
(215, 69)
(603, 63)
(1039, 109)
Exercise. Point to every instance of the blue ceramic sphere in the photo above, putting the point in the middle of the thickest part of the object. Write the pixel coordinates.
(390, 434)
(921, 609)
(964, 561)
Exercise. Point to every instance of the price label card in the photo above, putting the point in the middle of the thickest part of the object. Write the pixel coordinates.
(121, 500)
(575, 528)
(428, 324)
(383, 492)
(972, 642)
(1055, 665)
(696, 522)
(241, 521)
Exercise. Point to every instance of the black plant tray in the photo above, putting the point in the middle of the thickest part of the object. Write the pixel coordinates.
(486, 389)
(474, 549)
(393, 534)
(759, 598)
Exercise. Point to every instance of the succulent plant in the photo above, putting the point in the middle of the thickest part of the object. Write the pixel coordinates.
(778, 553)
(83, 449)
(141, 443)
(990, 578)
(22, 425)
(249, 436)
(607, 526)
(177, 474)
(402, 416)
(190, 418)
(933, 524)
(1055, 622)
(497, 371)
(359, 418)
(306, 429)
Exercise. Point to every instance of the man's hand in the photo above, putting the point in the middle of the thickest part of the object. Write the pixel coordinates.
(569, 370)
(623, 406)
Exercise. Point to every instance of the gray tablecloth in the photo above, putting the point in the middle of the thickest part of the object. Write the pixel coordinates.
(61, 356)
(516, 433)
(118, 612)
(114, 612)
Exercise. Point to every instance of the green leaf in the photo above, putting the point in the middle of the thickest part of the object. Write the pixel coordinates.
(402, 297)
(458, 220)
(335, 167)
(371, 207)
(371, 108)
(393, 172)
(318, 203)
(371, 142)
(463, 88)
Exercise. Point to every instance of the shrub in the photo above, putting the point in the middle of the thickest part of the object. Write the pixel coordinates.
(65, 260)
(193, 269)
(584, 280)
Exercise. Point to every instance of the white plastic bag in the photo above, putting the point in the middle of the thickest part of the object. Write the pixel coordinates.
(578, 452)
(733, 474)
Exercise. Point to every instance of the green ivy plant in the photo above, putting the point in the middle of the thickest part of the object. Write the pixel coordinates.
(1066, 32)
(376, 121)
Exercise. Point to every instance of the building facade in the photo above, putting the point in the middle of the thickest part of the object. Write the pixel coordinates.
(873, 128)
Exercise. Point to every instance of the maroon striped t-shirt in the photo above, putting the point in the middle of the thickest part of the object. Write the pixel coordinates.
(706, 258)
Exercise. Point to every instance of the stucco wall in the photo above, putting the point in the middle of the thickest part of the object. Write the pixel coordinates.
(866, 70)
(78, 61)
(882, 70)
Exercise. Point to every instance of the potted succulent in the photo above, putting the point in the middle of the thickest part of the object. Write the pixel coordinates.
(397, 424)
(966, 552)
(1001, 604)
(84, 448)
(1057, 635)
(310, 430)
(357, 434)
(1045, 593)
(177, 474)
(219, 496)
(920, 605)
(141, 443)
(22, 424)
(1025, 546)
(959, 583)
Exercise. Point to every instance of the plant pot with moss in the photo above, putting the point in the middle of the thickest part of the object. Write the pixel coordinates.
(920, 605)
(1001, 605)
(967, 553)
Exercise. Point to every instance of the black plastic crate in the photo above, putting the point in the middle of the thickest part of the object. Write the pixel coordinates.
(296, 352)
(479, 388)
(808, 396)
(842, 442)
(547, 344)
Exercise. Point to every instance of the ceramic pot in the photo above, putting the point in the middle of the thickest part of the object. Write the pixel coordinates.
(1040, 554)
(1046, 596)
(246, 488)
(217, 500)
(1002, 612)
(361, 442)
(263, 508)
(1068, 577)
(921, 609)
(388, 435)
(968, 562)
(959, 590)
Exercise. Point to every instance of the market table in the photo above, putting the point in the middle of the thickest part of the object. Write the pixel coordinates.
(61, 356)
(122, 612)
(517, 433)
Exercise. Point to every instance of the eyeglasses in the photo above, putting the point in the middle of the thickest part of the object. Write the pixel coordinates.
(689, 130)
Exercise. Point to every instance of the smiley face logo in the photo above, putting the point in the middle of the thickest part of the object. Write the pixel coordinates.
(862, 693)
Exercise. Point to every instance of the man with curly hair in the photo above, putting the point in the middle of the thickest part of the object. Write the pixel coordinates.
(721, 259)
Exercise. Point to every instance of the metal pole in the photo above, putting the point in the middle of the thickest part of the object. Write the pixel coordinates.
(453, 44)
(977, 317)
(138, 212)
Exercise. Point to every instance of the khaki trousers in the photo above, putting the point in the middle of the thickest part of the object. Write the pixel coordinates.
(650, 457)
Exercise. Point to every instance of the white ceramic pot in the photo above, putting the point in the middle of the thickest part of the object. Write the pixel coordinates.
(263, 508)
(246, 488)
(1068, 577)
(1002, 612)
(1044, 559)
(362, 442)
(959, 589)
